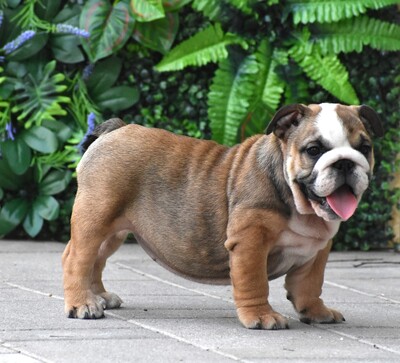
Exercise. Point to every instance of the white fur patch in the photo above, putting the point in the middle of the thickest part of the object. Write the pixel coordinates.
(331, 126)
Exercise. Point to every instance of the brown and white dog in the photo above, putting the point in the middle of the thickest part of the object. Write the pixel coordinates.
(259, 210)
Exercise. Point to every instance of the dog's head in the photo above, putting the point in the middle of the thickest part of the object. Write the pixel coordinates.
(328, 155)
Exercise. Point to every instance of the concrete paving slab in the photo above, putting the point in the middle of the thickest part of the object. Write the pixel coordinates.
(168, 319)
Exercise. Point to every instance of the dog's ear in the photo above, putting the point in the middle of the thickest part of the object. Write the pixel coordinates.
(285, 118)
(371, 120)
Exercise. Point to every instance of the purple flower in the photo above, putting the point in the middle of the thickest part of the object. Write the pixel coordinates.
(1, 17)
(16, 43)
(10, 131)
(66, 28)
(91, 122)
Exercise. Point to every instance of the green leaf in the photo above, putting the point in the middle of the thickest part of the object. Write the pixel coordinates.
(55, 182)
(353, 35)
(206, 46)
(230, 97)
(105, 74)
(117, 98)
(66, 48)
(159, 34)
(242, 5)
(272, 86)
(109, 27)
(8, 179)
(47, 207)
(147, 10)
(33, 223)
(18, 155)
(327, 71)
(62, 131)
(210, 8)
(12, 214)
(326, 11)
(47, 9)
(269, 89)
(1, 194)
(37, 95)
(30, 47)
(172, 5)
(41, 139)
(69, 15)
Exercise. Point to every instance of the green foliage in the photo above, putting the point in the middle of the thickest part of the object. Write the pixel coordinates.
(37, 92)
(110, 26)
(315, 48)
(352, 35)
(230, 96)
(326, 70)
(206, 46)
(44, 101)
(328, 11)
(241, 60)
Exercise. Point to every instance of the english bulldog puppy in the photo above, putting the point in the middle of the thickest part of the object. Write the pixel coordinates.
(242, 215)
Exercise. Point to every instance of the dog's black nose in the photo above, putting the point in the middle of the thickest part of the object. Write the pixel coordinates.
(344, 165)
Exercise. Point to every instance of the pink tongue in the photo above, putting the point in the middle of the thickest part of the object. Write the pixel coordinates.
(343, 202)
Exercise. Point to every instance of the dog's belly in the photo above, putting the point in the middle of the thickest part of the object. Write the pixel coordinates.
(200, 264)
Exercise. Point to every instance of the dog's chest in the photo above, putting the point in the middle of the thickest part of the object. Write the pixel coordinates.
(304, 236)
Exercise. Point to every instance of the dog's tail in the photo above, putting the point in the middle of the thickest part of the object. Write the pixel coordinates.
(104, 128)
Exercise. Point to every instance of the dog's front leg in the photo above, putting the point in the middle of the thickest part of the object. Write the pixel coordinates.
(304, 287)
(248, 251)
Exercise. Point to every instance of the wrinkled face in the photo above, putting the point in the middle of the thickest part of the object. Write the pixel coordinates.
(329, 161)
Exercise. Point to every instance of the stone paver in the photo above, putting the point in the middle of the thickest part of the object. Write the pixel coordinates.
(165, 318)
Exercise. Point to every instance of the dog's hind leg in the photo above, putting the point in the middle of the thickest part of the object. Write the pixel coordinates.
(107, 248)
(88, 233)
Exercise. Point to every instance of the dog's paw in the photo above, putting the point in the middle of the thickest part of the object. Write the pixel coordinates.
(93, 308)
(262, 318)
(111, 300)
(321, 315)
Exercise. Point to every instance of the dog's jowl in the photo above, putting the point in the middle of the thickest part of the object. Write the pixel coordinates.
(242, 215)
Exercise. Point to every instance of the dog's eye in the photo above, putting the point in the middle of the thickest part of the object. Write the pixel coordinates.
(314, 151)
(365, 149)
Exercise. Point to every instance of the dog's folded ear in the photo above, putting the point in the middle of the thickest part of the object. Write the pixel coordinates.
(285, 118)
(371, 120)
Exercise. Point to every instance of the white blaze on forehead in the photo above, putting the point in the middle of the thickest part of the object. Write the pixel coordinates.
(330, 126)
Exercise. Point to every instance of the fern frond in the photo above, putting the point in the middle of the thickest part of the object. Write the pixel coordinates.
(352, 35)
(327, 11)
(230, 97)
(327, 71)
(268, 89)
(209, 8)
(204, 47)
(242, 5)
(273, 86)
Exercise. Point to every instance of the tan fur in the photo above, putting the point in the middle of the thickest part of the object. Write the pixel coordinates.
(207, 212)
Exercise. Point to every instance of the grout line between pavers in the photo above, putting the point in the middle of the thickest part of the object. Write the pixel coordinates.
(153, 277)
(25, 353)
(143, 326)
(363, 341)
(34, 291)
(349, 336)
(344, 287)
(176, 337)
(137, 271)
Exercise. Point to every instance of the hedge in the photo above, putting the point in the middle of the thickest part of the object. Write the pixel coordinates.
(182, 65)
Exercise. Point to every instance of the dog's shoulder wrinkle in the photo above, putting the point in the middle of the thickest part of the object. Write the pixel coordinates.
(104, 128)
(271, 158)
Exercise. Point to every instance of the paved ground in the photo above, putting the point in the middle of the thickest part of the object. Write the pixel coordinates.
(169, 319)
